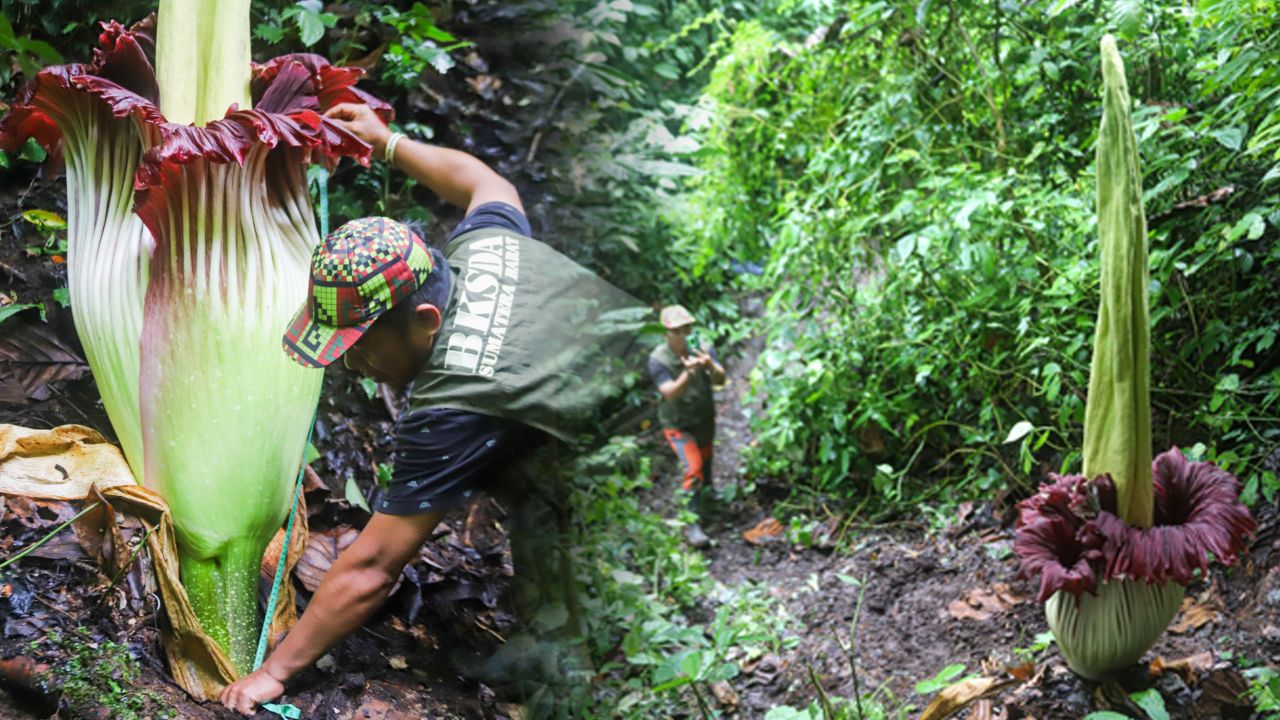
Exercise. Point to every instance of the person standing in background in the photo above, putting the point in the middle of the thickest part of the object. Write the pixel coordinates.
(684, 373)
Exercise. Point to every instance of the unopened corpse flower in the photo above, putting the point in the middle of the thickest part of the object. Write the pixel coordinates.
(191, 231)
(1113, 549)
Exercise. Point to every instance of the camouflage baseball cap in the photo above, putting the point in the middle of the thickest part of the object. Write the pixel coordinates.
(358, 272)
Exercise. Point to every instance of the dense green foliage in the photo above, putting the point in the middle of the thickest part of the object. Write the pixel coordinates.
(916, 180)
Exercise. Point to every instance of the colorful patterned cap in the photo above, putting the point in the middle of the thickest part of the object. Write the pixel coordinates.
(358, 272)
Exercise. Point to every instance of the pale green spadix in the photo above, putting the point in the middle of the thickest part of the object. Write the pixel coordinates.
(1117, 420)
(1099, 634)
(202, 58)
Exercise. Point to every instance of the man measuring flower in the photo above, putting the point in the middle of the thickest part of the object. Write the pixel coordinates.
(504, 339)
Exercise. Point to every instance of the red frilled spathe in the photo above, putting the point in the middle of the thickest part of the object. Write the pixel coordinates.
(290, 95)
(1070, 537)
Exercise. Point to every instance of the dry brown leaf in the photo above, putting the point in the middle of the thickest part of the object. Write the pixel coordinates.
(764, 530)
(726, 696)
(1193, 616)
(1188, 667)
(33, 354)
(983, 710)
(322, 550)
(956, 697)
(1023, 672)
(962, 610)
(1223, 694)
(982, 604)
(72, 462)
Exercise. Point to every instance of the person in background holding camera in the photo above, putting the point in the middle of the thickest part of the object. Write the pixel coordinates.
(684, 370)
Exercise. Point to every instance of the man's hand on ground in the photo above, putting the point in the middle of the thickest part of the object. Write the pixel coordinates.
(360, 120)
(245, 694)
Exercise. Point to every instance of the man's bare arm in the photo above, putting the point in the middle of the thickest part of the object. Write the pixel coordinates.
(459, 178)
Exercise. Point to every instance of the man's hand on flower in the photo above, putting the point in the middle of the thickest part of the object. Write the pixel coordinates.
(360, 120)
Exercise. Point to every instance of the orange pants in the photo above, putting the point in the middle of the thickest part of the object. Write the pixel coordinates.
(695, 458)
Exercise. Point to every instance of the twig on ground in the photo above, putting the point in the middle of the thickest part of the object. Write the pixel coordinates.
(827, 713)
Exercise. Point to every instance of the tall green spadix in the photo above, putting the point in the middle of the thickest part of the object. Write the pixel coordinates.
(1117, 424)
(202, 58)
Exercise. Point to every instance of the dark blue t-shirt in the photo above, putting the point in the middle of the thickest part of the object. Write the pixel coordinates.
(493, 215)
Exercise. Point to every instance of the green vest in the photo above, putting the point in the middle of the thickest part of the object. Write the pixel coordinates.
(694, 412)
(531, 336)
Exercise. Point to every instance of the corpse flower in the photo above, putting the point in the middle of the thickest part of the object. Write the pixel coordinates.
(190, 234)
(1113, 549)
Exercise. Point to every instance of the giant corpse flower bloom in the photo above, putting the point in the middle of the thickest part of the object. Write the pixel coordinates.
(190, 234)
(1112, 554)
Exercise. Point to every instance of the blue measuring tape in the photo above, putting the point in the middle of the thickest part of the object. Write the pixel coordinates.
(291, 712)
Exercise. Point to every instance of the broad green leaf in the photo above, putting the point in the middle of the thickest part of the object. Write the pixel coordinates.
(1151, 703)
(1129, 17)
(8, 311)
(1231, 138)
(45, 220)
(310, 26)
(353, 494)
(1059, 6)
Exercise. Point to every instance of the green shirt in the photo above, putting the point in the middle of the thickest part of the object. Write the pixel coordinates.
(529, 335)
(694, 412)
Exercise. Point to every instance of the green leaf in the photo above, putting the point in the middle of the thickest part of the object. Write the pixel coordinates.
(667, 70)
(269, 32)
(1106, 715)
(1231, 138)
(941, 680)
(1151, 703)
(42, 50)
(310, 26)
(62, 296)
(1060, 6)
(45, 220)
(311, 454)
(32, 152)
(370, 387)
(1129, 16)
(353, 494)
(8, 311)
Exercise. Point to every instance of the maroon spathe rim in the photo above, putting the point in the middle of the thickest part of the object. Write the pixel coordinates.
(291, 93)
(1070, 537)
